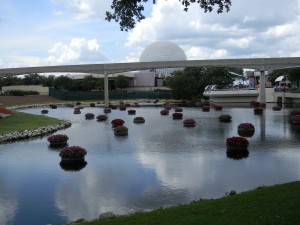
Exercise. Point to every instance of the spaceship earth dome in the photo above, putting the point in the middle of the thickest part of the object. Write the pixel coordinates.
(163, 51)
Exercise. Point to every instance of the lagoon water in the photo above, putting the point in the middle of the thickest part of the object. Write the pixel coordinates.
(160, 163)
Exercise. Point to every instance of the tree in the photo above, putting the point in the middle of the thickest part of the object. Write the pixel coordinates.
(190, 83)
(32, 79)
(100, 84)
(121, 81)
(127, 12)
(63, 82)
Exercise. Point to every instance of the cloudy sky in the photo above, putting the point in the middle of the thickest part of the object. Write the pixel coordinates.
(61, 32)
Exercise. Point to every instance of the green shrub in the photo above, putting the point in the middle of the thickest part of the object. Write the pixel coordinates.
(21, 93)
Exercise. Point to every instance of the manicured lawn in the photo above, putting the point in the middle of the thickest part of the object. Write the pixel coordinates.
(279, 204)
(19, 121)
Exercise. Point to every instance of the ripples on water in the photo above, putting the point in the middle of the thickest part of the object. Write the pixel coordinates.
(159, 163)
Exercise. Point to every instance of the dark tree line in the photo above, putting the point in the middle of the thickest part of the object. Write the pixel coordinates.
(191, 82)
(88, 83)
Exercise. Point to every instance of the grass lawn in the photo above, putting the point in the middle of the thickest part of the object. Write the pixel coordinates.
(19, 121)
(279, 204)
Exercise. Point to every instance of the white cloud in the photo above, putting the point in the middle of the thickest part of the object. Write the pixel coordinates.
(250, 29)
(87, 9)
(78, 50)
(57, 13)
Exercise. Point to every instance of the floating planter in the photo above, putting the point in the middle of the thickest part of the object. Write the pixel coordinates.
(225, 118)
(205, 109)
(73, 167)
(258, 111)
(122, 108)
(178, 109)
(262, 105)
(4, 112)
(44, 111)
(89, 116)
(121, 131)
(168, 107)
(52, 106)
(77, 111)
(131, 112)
(117, 122)
(218, 107)
(113, 107)
(127, 104)
(107, 110)
(139, 119)
(189, 122)
(295, 118)
(58, 140)
(177, 115)
(276, 108)
(101, 118)
(72, 155)
(92, 104)
(237, 147)
(254, 104)
(246, 129)
(164, 112)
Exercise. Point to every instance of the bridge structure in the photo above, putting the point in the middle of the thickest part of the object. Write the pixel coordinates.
(260, 64)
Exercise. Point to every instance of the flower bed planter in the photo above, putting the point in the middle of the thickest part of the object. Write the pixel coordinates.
(101, 118)
(52, 106)
(295, 118)
(122, 108)
(218, 107)
(164, 112)
(77, 111)
(178, 109)
(92, 104)
(44, 111)
(73, 167)
(276, 108)
(205, 109)
(254, 104)
(121, 131)
(139, 119)
(89, 116)
(131, 112)
(72, 155)
(189, 122)
(57, 140)
(117, 122)
(246, 129)
(177, 116)
(225, 118)
(107, 110)
(258, 111)
(237, 146)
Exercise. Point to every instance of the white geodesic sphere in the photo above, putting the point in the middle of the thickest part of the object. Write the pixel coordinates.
(163, 51)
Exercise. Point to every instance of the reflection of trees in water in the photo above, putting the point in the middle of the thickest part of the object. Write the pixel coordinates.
(8, 204)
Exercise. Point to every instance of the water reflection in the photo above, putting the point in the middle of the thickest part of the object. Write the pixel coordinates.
(159, 163)
(8, 203)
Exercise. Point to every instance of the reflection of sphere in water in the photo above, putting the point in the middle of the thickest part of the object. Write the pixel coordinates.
(163, 51)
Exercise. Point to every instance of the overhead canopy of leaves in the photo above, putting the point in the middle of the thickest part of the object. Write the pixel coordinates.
(127, 12)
